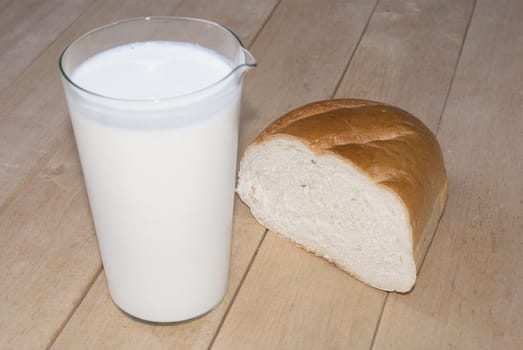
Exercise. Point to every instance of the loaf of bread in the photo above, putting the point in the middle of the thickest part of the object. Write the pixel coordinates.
(357, 182)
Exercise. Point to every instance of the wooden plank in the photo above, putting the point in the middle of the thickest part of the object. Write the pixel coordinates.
(27, 28)
(470, 294)
(408, 56)
(48, 255)
(318, 306)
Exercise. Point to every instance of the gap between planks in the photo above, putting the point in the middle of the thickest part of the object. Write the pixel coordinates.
(342, 76)
(379, 321)
(75, 307)
(349, 61)
(448, 91)
(436, 133)
(251, 261)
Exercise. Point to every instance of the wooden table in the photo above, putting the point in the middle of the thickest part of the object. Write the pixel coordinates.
(457, 64)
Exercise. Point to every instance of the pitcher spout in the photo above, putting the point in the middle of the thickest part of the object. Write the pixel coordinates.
(249, 62)
(249, 59)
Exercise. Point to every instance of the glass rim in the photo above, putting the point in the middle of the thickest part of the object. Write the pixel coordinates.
(244, 50)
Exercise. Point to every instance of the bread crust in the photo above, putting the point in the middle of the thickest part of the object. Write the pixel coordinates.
(394, 148)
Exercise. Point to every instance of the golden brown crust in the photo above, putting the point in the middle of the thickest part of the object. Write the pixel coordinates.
(394, 148)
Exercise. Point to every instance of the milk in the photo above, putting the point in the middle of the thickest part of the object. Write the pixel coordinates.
(159, 172)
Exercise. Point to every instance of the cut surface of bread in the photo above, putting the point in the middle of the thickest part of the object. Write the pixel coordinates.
(358, 182)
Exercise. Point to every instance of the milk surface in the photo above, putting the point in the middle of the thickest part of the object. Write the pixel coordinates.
(151, 70)
(159, 173)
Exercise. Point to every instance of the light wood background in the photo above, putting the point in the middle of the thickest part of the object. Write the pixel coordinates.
(456, 64)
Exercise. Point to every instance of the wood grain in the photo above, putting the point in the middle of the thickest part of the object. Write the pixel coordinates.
(470, 292)
(251, 322)
(21, 41)
(408, 56)
(48, 255)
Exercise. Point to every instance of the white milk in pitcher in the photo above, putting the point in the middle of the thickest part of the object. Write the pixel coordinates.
(160, 172)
